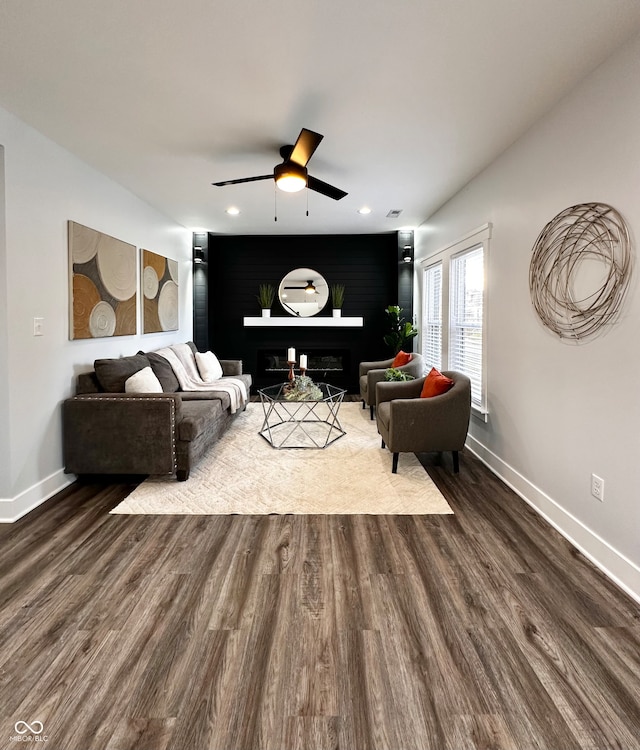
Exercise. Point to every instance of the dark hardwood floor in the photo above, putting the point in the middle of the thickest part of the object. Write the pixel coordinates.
(484, 629)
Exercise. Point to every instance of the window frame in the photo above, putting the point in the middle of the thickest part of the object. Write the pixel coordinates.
(457, 327)
(426, 299)
(470, 242)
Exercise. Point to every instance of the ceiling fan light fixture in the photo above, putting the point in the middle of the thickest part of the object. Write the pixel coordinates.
(310, 288)
(290, 177)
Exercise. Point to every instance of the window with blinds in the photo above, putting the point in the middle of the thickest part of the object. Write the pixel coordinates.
(432, 316)
(466, 299)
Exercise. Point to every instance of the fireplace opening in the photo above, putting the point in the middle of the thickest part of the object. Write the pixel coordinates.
(323, 365)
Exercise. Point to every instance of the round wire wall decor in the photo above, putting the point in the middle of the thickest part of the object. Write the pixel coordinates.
(580, 270)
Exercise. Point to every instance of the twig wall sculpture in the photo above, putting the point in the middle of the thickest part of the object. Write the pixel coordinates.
(593, 233)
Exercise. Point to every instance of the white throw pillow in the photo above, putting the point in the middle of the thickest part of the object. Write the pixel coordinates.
(143, 381)
(209, 366)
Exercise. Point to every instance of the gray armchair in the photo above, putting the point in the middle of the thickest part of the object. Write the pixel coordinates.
(410, 424)
(372, 373)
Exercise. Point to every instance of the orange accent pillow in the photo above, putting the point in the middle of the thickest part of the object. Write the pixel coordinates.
(401, 358)
(435, 384)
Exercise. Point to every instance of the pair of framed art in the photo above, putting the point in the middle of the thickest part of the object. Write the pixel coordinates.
(104, 287)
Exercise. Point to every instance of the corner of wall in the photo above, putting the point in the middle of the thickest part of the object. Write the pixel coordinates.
(622, 571)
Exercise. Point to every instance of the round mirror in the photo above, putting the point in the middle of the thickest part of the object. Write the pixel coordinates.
(303, 292)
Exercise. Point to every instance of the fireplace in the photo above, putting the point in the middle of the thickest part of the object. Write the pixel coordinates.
(323, 365)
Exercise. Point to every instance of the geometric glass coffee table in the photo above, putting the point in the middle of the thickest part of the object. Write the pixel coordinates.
(302, 423)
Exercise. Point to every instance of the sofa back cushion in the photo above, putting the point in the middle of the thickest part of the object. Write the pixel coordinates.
(87, 382)
(209, 366)
(112, 373)
(163, 371)
(143, 381)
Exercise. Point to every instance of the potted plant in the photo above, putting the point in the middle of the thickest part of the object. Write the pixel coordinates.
(266, 295)
(401, 331)
(394, 375)
(337, 299)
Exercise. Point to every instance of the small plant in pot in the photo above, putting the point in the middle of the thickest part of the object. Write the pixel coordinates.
(393, 374)
(337, 299)
(266, 295)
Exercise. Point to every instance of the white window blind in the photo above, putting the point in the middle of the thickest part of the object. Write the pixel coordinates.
(432, 316)
(466, 318)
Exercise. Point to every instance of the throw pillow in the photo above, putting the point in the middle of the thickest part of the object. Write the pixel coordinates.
(209, 366)
(163, 371)
(143, 381)
(401, 358)
(112, 373)
(435, 384)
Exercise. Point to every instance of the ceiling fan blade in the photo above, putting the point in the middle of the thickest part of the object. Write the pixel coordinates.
(323, 187)
(307, 143)
(244, 179)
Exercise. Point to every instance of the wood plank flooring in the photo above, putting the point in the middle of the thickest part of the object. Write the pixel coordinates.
(480, 630)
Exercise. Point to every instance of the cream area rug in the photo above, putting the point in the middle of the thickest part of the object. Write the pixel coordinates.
(244, 474)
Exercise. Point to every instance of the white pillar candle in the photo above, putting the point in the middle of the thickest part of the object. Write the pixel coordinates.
(291, 354)
(303, 361)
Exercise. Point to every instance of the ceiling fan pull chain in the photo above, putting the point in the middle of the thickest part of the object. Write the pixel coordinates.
(307, 201)
(275, 203)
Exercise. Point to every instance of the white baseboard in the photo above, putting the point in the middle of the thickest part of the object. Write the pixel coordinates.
(12, 509)
(622, 571)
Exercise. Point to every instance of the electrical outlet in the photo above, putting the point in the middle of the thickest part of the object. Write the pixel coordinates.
(597, 487)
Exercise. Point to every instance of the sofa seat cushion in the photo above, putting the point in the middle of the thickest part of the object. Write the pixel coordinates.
(220, 396)
(200, 417)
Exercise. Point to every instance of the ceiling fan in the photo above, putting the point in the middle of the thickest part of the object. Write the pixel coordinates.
(291, 175)
(309, 288)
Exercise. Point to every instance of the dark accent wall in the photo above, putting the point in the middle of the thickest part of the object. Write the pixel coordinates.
(200, 290)
(368, 266)
(405, 273)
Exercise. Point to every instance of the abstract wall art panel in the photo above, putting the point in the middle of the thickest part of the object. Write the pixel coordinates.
(580, 270)
(103, 284)
(159, 293)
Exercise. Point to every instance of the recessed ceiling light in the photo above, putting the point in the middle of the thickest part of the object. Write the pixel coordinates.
(364, 210)
(233, 211)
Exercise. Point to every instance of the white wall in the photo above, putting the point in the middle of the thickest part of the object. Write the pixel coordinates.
(4, 344)
(44, 187)
(560, 411)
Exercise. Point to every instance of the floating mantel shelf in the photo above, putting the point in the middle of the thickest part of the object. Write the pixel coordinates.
(291, 322)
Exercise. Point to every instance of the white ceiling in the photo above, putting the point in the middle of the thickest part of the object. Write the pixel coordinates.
(414, 97)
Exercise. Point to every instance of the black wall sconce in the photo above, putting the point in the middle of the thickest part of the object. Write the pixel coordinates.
(200, 242)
